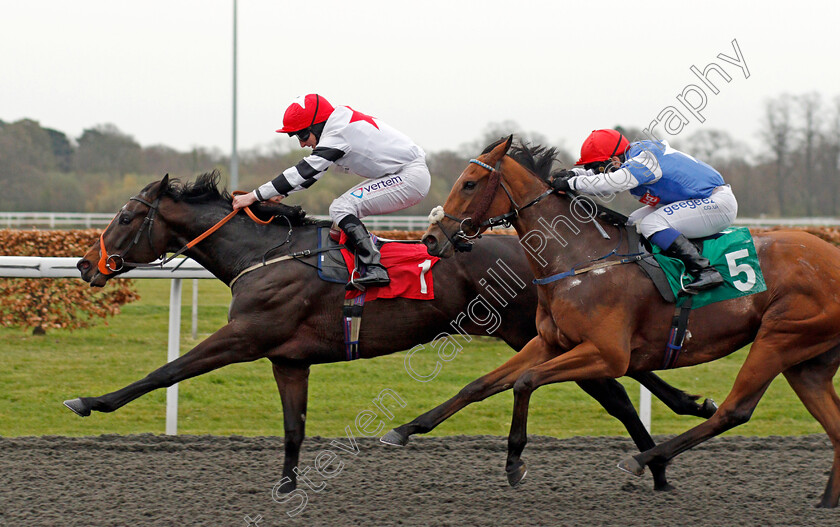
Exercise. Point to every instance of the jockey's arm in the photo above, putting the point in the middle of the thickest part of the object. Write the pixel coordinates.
(606, 183)
(639, 170)
(301, 176)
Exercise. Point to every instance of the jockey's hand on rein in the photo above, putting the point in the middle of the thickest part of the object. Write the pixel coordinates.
(561, 181)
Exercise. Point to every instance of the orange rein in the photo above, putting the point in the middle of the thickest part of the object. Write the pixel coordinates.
(103, 253)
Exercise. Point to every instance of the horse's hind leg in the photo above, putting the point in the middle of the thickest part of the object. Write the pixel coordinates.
(756, 374)
(293, 384)
(677, 400)
(812, 382)
(613, 397)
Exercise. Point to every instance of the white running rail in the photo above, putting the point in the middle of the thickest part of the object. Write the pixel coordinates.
(90, 220)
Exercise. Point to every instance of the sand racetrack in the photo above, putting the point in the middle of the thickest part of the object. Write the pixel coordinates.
(451, 481)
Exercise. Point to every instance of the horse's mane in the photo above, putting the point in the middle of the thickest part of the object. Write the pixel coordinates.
(542, 161)
(205, 189)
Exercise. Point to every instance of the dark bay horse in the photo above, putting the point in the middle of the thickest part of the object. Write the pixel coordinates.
(284, 313)
(613, 322)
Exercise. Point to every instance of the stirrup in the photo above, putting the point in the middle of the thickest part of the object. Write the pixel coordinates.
(354, 275)
(353, 284)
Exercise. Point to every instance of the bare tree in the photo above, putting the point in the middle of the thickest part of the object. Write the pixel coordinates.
(809, 110)
(716, 147)
(830, 157)
(777, 132)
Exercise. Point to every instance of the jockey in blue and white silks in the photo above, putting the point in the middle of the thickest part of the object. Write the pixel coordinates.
(683, 197)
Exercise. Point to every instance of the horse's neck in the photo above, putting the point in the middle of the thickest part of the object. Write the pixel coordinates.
(237, 244)
(557, 236)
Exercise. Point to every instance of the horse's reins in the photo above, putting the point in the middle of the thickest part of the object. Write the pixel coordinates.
(574, 271)
(105, 259)
(460, 239)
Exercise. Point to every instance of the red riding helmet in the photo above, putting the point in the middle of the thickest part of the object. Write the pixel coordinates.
(304, 112)
(602, 145)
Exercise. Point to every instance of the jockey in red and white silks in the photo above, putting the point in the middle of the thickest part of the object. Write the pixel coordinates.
(351, 142)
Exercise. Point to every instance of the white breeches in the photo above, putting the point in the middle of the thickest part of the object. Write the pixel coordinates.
(695, 218)
(384, 195)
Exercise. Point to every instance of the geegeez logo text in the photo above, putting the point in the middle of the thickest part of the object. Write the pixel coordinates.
(705, 204)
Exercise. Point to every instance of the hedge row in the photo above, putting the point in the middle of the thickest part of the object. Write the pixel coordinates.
(62, 302)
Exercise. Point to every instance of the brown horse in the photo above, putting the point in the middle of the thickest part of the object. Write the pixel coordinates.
(284, 313)
(613, 322)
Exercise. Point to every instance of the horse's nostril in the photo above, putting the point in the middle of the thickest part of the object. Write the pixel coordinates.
(430, 241)
(83, 265)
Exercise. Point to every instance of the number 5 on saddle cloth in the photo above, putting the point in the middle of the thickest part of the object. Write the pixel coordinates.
(732, 252)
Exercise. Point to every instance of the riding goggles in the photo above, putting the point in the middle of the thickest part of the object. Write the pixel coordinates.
(302, 135)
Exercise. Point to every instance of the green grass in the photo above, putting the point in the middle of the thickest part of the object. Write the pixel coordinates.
(38, 373)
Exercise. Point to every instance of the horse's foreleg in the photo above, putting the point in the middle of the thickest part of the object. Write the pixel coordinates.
(677, 400)
(584, 361)
(498, 380)
(223, 347)
(293, 384)
(613, 397)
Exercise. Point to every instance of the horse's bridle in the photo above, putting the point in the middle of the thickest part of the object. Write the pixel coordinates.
(463, 242)
(106, 260)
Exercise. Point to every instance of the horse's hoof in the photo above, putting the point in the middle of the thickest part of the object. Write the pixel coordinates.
(287, 486)
(631, 466)
(394, 438)
(516, 474)
(709, 408)
(78, 407)
(663, 488)
(826, 503)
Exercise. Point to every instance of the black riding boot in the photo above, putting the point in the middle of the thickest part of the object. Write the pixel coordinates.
(375, 274)
(705, 276)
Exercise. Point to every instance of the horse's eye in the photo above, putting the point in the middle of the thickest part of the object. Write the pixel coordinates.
(469, 185)
(125, 219)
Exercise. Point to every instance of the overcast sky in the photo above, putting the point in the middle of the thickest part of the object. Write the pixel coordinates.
(440, 71)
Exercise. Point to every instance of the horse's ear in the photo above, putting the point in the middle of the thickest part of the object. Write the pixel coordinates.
(164, 184)
(499, 152)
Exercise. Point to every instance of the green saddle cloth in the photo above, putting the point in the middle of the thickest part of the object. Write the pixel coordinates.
(733, 254)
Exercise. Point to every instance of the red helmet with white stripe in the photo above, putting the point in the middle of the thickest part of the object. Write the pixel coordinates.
(304, 112)
(602, 145)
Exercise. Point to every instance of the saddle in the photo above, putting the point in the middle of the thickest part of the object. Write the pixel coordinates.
(649, 265)
(408, 263)
(331, 266)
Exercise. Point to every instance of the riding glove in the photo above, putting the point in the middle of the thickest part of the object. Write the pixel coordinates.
(561, 181)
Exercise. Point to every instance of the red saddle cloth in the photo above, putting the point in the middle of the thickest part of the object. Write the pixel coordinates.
(409, 267)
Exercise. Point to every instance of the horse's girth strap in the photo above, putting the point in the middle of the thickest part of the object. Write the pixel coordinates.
(352, 322)
(676, 336)
(261, 264)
